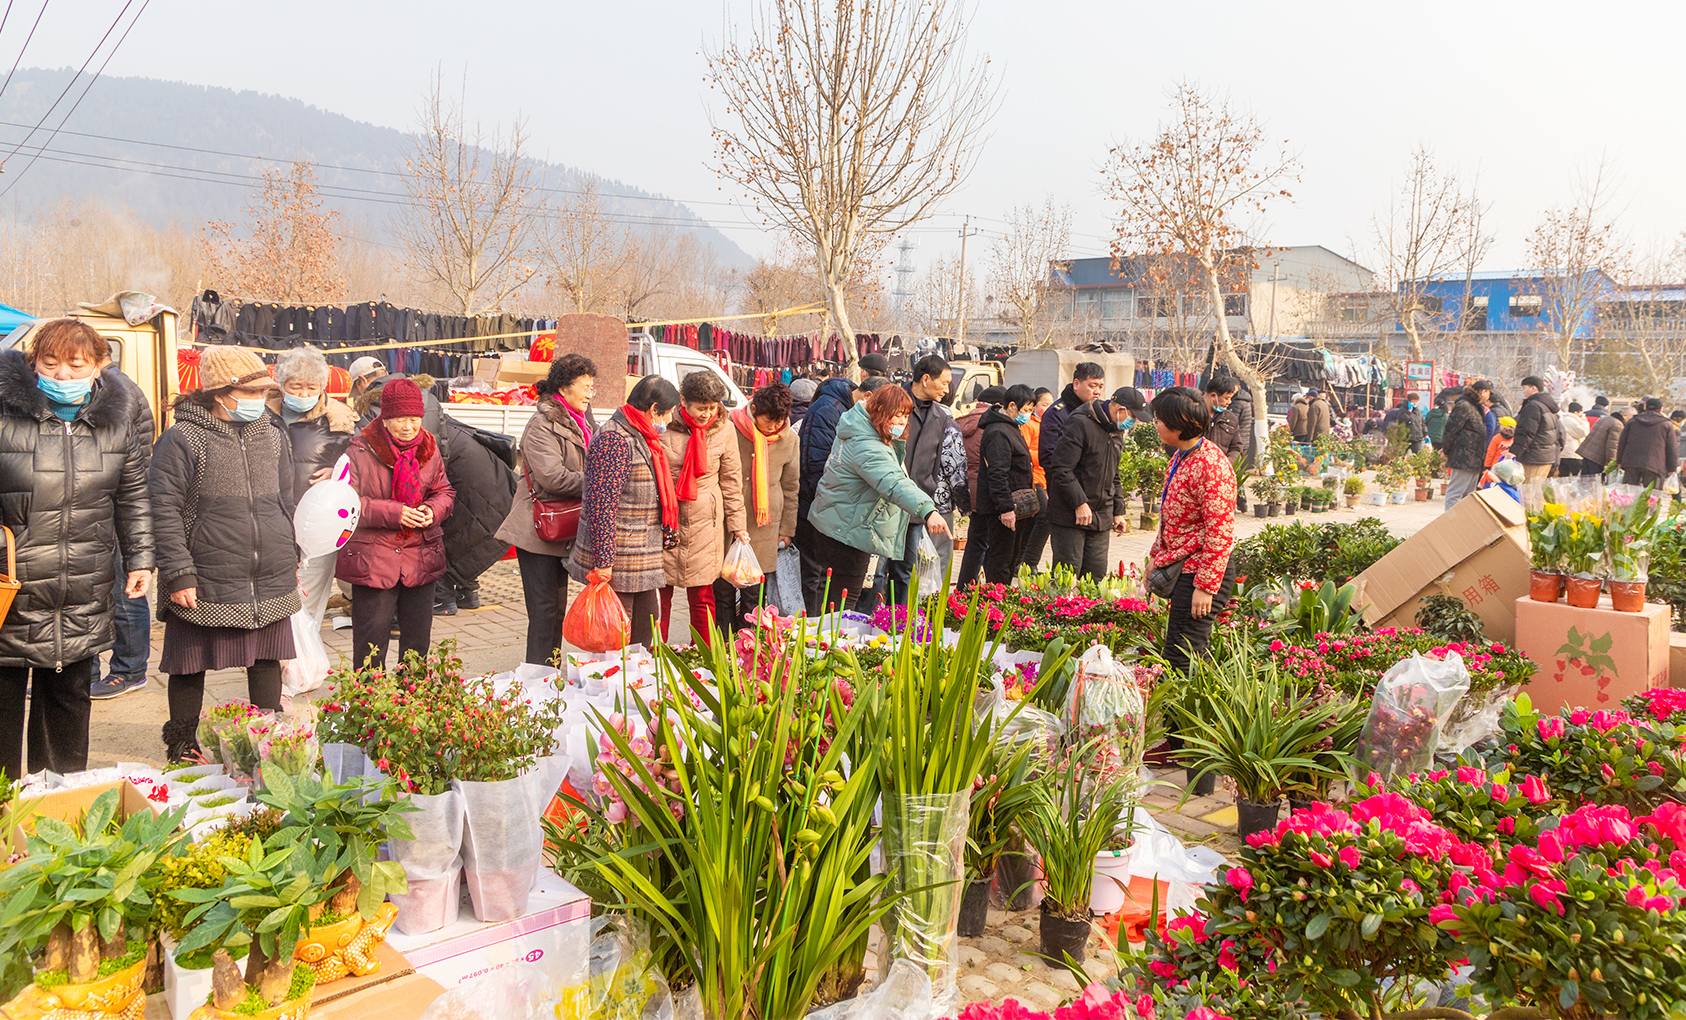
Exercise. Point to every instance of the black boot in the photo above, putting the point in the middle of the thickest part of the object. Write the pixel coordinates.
(468, 597)
(181, 740)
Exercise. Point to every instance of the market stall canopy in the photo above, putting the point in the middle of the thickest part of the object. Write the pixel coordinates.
(11, 318)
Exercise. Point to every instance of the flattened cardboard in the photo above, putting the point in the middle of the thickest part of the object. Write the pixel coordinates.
(1477, 551)
(68, 806)
(1592, 658)
(405, 998)
(524, 373)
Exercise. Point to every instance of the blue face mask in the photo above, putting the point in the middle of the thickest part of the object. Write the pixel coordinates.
(298, 405)
(897, 430)
(1124, 426)
(65, 391)
(246, 410)
(659, 426)
(1023, 418)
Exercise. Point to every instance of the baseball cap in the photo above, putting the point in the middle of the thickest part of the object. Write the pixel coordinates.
(365, 366)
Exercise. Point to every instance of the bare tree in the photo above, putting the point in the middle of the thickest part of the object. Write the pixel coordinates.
(941, 297)
(850, 119)
(468, 228)
(1430, 229)
(1641, 349)
(584, 251)
(1185, 192)
(1579, 254)
(291, 253)
(1021, 268)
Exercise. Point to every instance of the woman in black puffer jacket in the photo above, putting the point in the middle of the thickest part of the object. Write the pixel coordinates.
(72, 489)
(222, 507)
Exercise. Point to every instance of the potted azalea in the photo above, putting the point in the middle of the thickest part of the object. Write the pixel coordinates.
(83, 899)
(348, 824)
(1070, 820)
(263, 905)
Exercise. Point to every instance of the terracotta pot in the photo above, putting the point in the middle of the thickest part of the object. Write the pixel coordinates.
(960, 543)
(118, 996)
(1352, 500)
(1627, 596)
(1423, 494)
(346, 947)
(1583, 592)
(1544, 587)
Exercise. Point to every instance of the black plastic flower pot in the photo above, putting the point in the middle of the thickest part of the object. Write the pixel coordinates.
(1015, 876)
(1063, 936)
(1296, 804)
(1261, 510)
(1251, 817)
(974, 908)
(1203, 786)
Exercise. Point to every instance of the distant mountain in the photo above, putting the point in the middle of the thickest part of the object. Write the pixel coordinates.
(199, 164)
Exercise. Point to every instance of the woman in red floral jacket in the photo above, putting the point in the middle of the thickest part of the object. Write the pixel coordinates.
(1196, 523)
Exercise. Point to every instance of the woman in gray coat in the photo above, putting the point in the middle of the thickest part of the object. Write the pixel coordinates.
(72, 488)
(553, 449)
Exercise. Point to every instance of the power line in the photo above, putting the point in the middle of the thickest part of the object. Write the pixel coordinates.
(73, 79)
(69, 113)
(24, 48)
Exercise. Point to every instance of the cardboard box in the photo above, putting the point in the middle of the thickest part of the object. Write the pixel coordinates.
(1676, 660)
(69, 806)
(1477, 551)
(554, 934)
(486, 369)
(1591, 658)
(523, 373)
(404, 998)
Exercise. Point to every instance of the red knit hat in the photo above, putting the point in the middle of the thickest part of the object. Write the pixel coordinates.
(401, 398)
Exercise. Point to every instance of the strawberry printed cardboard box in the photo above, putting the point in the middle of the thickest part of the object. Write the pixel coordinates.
(1592, 658)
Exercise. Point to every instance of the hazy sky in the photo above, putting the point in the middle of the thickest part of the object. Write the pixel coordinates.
(1530, 94)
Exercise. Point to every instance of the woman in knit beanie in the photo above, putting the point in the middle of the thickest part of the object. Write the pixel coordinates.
(222, 507)
(398, 550)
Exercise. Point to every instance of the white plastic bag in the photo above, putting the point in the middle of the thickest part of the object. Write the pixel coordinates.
(741, 569)
(927, 566)
(516, 991)
(1413, 701)
(305, 672)
(787, 571)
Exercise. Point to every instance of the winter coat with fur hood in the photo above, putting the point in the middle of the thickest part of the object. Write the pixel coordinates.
(382, 553)
(72, 493)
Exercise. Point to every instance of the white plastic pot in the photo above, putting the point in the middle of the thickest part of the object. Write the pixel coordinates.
(184, 990)
(1376, 498)
(1112, 880)
(1399, 497)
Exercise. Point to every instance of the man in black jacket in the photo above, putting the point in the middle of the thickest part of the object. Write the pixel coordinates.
(1465, 441)
(1649, 449)
(924, 436)
(1088, 382)
(1538, 442)
(1229, 432)
(1084, 497)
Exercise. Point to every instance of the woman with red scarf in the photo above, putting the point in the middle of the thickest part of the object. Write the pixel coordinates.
(398, 549)
(702, 454)
(630, 511)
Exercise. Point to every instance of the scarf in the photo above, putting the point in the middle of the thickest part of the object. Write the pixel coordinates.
(581, 419)
(757, 463)
(695, 464)
(406, 470)
(658, 463)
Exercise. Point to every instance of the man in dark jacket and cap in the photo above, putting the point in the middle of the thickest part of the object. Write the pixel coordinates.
(1088, 382)
(1649, 448)
(1085, 501)
(1538, 443)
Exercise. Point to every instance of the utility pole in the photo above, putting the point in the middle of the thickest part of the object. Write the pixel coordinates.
(960, 305)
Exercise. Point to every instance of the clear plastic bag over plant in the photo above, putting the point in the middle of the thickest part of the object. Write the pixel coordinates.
(1476, 718)
(432, 863)
(517, 991)
(1028, 723)
(1413, 701)
(623, 981)
(927, 564)
(788, 572)
(741, 569)
(503, 838)
(597, 622)
(924, 844)
(1106, 703)
(309, 667)
(904, 994)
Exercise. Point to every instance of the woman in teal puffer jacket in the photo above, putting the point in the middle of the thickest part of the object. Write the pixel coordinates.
(864, 498)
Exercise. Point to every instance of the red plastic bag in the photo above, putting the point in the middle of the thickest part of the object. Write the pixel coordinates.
(597, 622)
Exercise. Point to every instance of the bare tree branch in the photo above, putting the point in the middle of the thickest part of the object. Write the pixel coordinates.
(1578, 253)
(291, 254)
(1021, 268)
(1430, 230)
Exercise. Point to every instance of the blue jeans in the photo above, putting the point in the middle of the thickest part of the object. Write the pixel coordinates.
(133, 622)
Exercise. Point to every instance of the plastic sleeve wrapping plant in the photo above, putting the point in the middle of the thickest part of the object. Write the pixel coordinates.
(597, 622)
(622, 979)
(1475, 719)
(924, 843)
(928, 565)
(309, 667)
(1037, 726)
(1105, 702)
(740, 568)
(235, 746)
(503, 838)
(787, 571)
(905, 993)
(1413, 701)
(432, 863)
(518, 991)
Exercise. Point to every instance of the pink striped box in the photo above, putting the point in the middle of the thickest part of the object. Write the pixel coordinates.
(554, 934)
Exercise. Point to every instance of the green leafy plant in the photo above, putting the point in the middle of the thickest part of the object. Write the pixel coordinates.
(1583, 546)
(1354, 485)
(1308, 609)
(263, 904)
(348, 823)
(1246, 723)
(1069, 821)
(999, 798)
(1447, 617)
(1630, 525)
(1548, 534)
(85, 890)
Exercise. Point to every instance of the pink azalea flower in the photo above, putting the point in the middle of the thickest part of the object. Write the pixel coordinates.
(1242, 880)
(1349, 856)
(1551, 728)
(1534, 788)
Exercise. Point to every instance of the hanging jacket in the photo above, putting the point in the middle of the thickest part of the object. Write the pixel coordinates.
(819, 431)
(1465, 440)
(1084, 469)
(866, 496)
(222, 508)
(71, 492)
(1004, 464)
(382, 553)
(1539, 437)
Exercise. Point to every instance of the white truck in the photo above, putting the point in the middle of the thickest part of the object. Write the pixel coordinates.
(644, 356)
